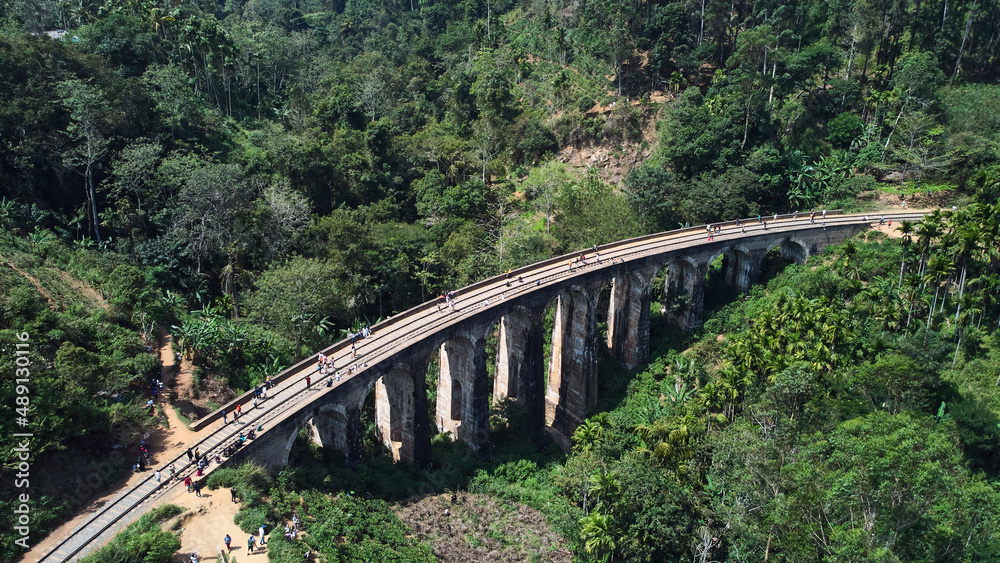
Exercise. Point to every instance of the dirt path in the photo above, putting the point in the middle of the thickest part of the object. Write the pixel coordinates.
(164, 444)
(181, 381)
(34, 281)
(179, 432)
(205, 524)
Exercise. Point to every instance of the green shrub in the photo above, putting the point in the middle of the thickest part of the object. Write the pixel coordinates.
(252, 518)
(142, 541)
(844, 129)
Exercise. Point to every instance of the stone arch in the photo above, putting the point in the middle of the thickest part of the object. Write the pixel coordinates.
(290, 443)
(739, 266)
(456, 400)
(792, 249)
(684, 291)
(513, 349)
(338, 426)
(330, 428)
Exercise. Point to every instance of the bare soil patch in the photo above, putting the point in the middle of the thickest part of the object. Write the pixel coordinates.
(481, 528)
(204, 526)
(612, 160)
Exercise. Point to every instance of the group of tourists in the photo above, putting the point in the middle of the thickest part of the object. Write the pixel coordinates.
(237, 412)
(363, 332)
(143, 461)
(200, 462)
(252, 542)
(326, 363)
(259, 396)
(240, 440)
(328, 368)
(448, 299)
(156, 386)
(716, 229)
(192, 485)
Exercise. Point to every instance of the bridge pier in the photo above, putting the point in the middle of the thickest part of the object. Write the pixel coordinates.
(572, 382)
(628, 317)
(401, 412)
(521, 369)
(463, 393)
(685, 290)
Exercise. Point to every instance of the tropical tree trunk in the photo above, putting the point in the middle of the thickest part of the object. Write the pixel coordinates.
(958, 61)
(930, 312)
(92, 198)
(961, 292)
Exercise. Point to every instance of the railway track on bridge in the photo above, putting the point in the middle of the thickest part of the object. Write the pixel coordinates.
(401, 331)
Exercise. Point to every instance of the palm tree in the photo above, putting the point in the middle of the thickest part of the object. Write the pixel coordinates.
(230, 280)
(937, 266)
(850, 251)
(929, 229)
(966, 245)
(906, 228)
(597, 533)
(989, 284)
(605, 486)
(587, 436)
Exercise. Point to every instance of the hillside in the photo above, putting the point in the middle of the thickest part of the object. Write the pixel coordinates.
(258, 179)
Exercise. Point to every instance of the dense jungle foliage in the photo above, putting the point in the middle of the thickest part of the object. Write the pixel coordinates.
(848, 410)
(261, 176)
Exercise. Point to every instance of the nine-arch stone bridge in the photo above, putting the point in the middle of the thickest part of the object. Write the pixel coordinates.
(556, 390)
